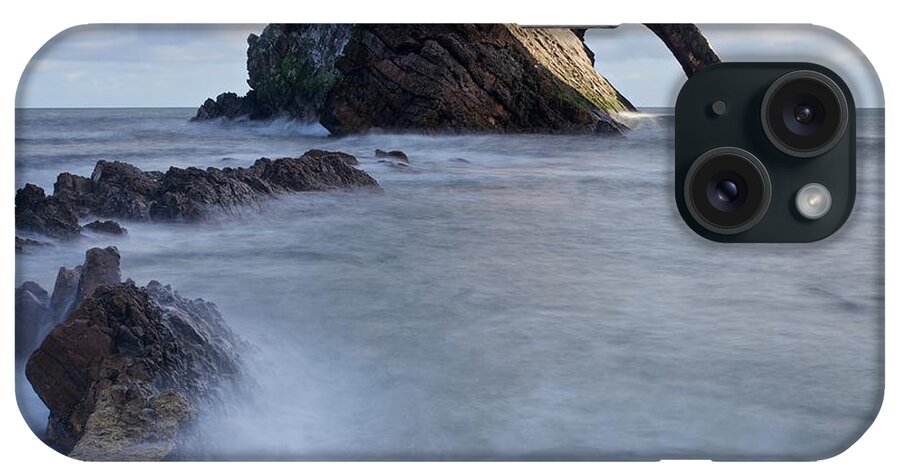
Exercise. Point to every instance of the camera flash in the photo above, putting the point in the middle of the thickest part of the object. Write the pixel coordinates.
(813, 201)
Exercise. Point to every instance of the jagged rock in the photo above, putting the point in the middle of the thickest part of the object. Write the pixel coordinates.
(393, 154)
(120, 190)
(438, 78)
(228, 105)
(65, 291)
(46, 215)
(108, 227)
(115, 189)
(101, 266)
(125, 373)
(37, 311)
(468, 78)
(33, 318)
(687, 43)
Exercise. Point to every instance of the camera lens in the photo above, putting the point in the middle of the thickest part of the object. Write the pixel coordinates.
(727, 190)
(804, 113)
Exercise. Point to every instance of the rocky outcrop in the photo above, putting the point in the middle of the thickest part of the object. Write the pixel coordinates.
(121, 190)
(33, 317)
(687, 43)
(49, 216)
(130, 367)
(37, 311)
(109, 227)
(432, 78)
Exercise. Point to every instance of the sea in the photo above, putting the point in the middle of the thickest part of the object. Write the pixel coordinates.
(504, 297)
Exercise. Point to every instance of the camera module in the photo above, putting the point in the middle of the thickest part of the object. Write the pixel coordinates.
(727, 190)
(804, 113)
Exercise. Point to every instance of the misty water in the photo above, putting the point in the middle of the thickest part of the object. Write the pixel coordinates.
(504, 297)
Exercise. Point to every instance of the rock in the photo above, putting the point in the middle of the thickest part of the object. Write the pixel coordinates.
(291, 70)
(115, 189)
(468, 78)
(33, 319)
(46, 215)
(108, 227)
(433, 78)
(394, 154)
(128, 370)
(65, 291)
(346, 158)
(319, 171)
(23, 243)
(228, 105)
(101, 266)
(120, 190)
(687, 43)
(37, 311)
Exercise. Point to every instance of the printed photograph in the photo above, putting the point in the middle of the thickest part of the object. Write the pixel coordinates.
(420, 242)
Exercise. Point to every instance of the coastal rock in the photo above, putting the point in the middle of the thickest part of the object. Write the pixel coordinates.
(37, 311)
(65, 291)
(687, 43)
(128, 369)
(393, 154)
(33, 318)
(228, 105)
(22, 244)
(121, 190)
(101, 266)
(49, 216)
(115, 189)
(346, 158)
(433, 78)
(108, 227)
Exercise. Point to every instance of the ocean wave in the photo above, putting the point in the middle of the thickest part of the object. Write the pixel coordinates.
(280, 126)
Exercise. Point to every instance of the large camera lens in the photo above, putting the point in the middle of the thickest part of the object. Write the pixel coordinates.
(727, 190)
(804, 113)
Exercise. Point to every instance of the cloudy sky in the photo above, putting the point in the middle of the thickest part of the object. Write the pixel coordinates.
(181, 65)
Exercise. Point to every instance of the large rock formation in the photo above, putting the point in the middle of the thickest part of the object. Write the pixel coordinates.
(687, 44)
(37, 311)
(130, 367)
(432, 78)
(121, 190)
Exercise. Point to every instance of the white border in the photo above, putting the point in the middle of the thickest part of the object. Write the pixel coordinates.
(30, 23)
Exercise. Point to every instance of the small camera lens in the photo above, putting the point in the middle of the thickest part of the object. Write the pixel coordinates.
(804, 113)
(727, 190)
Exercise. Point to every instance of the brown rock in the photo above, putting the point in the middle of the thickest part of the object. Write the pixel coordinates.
(124, 374)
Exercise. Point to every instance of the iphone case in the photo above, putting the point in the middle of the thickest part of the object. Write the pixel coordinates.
(421, 242)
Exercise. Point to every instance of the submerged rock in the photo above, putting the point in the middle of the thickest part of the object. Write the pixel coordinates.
(22, 244)
(129, 368)
(393, 154)
(433, 78)
(108, 227)
(121, 190)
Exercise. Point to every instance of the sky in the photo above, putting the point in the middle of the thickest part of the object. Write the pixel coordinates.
(182, 65)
